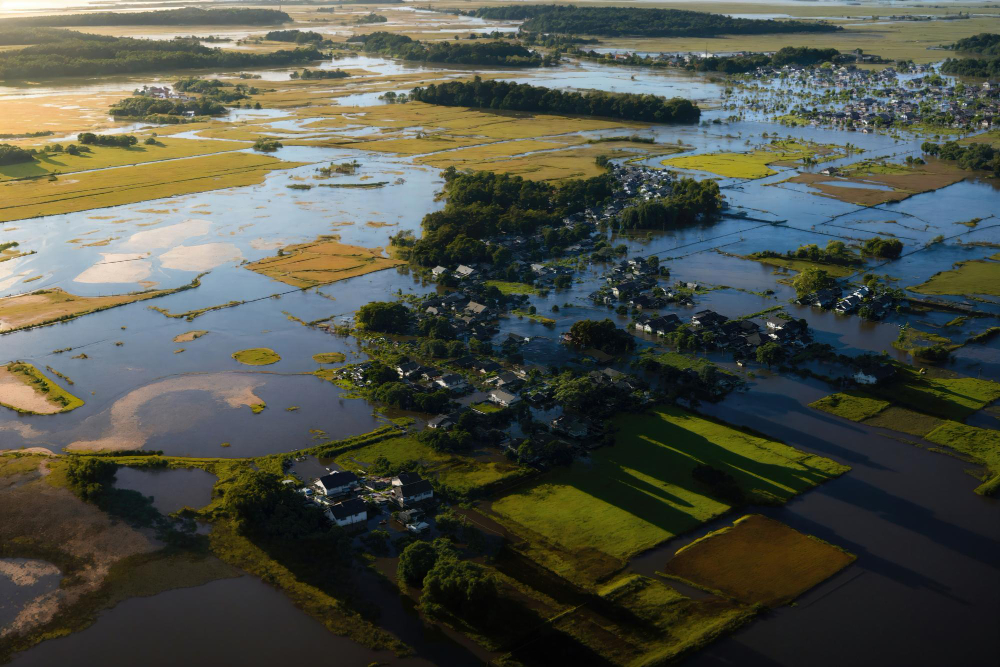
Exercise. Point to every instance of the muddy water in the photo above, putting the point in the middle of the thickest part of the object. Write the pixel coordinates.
(209, 624)
(922, 589)
(171, 489)
(21, 581)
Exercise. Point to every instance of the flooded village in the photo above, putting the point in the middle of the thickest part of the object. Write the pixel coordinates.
(507, 334)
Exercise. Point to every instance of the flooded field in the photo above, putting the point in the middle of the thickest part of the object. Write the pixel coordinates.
(159, 374)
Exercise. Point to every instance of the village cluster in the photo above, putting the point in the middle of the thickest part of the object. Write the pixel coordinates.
(865, 99)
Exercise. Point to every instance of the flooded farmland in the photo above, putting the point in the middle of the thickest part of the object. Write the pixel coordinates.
(161, 375)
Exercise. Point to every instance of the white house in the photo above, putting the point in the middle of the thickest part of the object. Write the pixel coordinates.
(439, 271)
(465, 271)
(452, 382)
(348, 512)
(337, 483)
(408, 489)
(501, 397)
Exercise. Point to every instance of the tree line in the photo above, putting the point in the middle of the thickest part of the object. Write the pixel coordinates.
(122, 55)
(10, 154)
(978, 156)
(182, 16)
(505, 95)
(984, 44)
(476, 53)
(483, 204)
(689, 201)
(983, 68)
(640, 22)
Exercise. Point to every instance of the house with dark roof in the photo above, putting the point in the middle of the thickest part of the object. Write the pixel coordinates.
(504, 398)
(348, 513)
(408, 488)
(337, 483)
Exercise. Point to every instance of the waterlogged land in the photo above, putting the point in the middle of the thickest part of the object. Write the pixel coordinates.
(273, 252)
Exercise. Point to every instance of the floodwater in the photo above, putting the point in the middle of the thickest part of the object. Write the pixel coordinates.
(221, 622)
(171, 490)
(923, 589)
(21, 581)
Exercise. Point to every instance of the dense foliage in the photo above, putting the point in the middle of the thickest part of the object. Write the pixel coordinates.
(88, 476)
(415, 561)
(985, 44)
(983, 68)
(689, 201)
(264, 508)
(92, 55)
(506, 95)
(484, 204)
(882, 248)
(384, 317)
(320, 74)
(789, 55)
(22, 35)
(296, 36)
(467, 53)
(812, 279)
(115, 140)
(139, 106)
(183, 16)
(602, 335)
(635, 21)
(979, 156)
(13, 154)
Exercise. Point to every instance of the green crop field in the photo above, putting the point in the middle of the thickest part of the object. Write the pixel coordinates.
(586, 520)
(461, 475)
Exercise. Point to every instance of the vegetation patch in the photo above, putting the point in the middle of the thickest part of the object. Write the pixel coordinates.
(755, 164)
(853, 405)
(977, 276)
(112, 187)
(52, 306)
(512, 288)
(321, 262)
(648, 623)
(938, 393)
(329, 357)
(871, 184)
(584, 521)
(758, 561)
(189, 336)
(257, 356)
(459, 474)
(982, 445)
(27, 390)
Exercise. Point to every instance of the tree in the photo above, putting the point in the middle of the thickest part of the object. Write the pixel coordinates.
(384, 316)
(882, 248)
(88, 476)
(462, 588)
(415, 562)
(770, 353)
(603, 335)
(811, 279)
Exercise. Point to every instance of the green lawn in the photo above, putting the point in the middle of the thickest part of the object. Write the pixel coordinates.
(980, 444)
(462, 475)
(978, 276)
(512, 288)
(585, 521)
(853, 405)
(486, 407)
(953, 398)
(257, 356)
(682, 361)
(835, 270)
